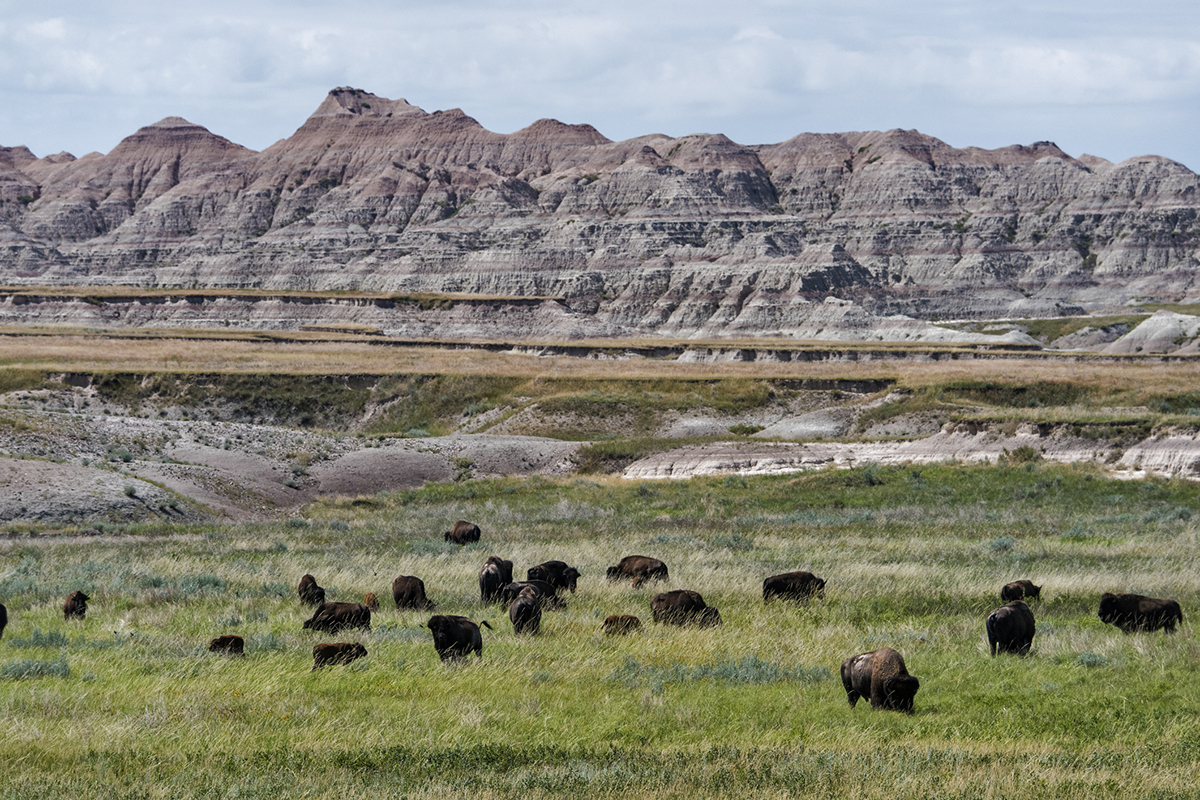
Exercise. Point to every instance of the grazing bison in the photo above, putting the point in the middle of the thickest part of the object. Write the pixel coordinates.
(881, 677)
(798, 586)
(3, 619)
(547, 594)
(555, 573)
(455, 637)
(1019, 590)
(334, 617)
(409, 592)
(76, 606)
(638, 569)
(1010, 628)
(1135, 612)
(336, 653)
(620, 624)
(310, 593)
(228, 645)
(371, 601)
(526, 612)
(495, 575)
(683, 607)
(462, 533)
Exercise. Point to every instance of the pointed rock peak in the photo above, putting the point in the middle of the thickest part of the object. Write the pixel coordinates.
(17, 156)
(551, 130)
(350, 102)
(174, 122)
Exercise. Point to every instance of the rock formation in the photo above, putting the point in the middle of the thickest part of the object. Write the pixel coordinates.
(695, 236)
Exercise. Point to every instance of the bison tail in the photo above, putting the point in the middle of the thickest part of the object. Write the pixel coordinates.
(484, 623)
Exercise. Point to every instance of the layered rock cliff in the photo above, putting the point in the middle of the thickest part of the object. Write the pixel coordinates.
(688, 236)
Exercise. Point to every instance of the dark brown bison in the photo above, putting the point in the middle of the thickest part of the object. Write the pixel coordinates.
(1019, 590)
(455, 637)
(228, 645)
(495, 575)
(1135, 612)
(3, 619)
(462, 533)
(555, 573)
(76, 606)
(325, 655)
(371, 601)
(638, 569)
(620, 624)
(334, 617)
(409, 592)
(310, 593)
(798, 586)
(1010, 628)
(683, 607)
(526, 612)
(546, 593)
(881, 677)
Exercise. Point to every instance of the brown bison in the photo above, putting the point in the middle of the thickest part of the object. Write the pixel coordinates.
(462, 533)
(881, 677)
(454, 638)
(547, 595)
(334, 617)
(638, 569)
(409, 592)
(228, 645)
(75, 606)
(555, 573)
(621, 624)
(1019, 590)
(1135, 612)
(683, 607)
(371, 601)
(495, 575)
(325, 655)
(3, 619)
(310, 593)
(798, 586)
(1010, 628)
(526, 612)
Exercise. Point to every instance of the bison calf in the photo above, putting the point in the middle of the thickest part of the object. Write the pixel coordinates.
(618, 624)
(798, 586)
(1019, 590)
(455, 637)
(371, 601)
(1010, 628)
(881, 677)
(463, 532)
(409, 593)
(337, 653)
(75, 606)
(334, 617)
(1135, 612)
(228, 645)
(310, 593)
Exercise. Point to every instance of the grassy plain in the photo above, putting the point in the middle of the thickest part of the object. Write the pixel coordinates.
(129, 704)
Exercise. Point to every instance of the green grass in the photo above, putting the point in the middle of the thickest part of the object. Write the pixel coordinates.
(128, 703)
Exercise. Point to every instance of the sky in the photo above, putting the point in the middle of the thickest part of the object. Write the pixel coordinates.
(1112, 79)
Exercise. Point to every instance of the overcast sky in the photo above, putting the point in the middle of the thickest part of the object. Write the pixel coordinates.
(1114, 79)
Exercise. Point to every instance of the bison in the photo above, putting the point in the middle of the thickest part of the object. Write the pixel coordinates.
(638, 569)
(228, 645)
(555, 573)
(1010, 628)
(683, 607)
(336, 653)
(334, 617)
(526, 612)
(409, 592)
(1019, 590)
(547, 594)
(495, 575)
(798, 586)
(462, 533)
(75, 606)
(310, 593)
(1135, 612)
(881, 677)
(3, 619)
(455, 637)
(621, 624)
(371, 601)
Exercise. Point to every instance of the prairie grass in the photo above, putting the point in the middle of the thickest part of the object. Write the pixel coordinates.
(129, 703)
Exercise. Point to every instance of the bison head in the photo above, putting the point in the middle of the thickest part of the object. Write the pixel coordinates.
(899, 692)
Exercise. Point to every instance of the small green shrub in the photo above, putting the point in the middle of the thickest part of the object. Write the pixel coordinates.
(32, 668)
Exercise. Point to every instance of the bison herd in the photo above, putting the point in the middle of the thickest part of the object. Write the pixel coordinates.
(879, 675)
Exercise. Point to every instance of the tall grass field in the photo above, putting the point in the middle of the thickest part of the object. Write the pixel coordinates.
(129, 703)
